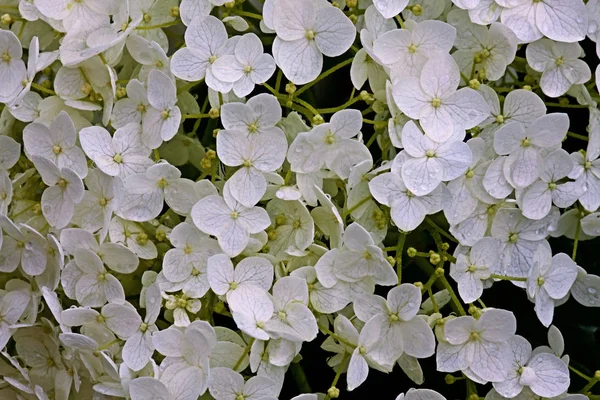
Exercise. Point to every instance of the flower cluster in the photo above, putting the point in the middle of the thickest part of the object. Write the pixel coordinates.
(178, 217)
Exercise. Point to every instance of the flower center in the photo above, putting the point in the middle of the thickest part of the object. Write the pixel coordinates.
(165, 114)
(525, 142)
(436, 102)
(56, 149)
(234, 215)
(6, 57)
(500, 118)
(560, 61)
(412, 49)
(310, 35)
(141, 108)
(248, 69)
(212, 59)
(187, 249)
(162, 183)
(540, 281)
(430, 153)
(513, 238)
(247, 163)
(62, 183)
(118, 158)
(103, 201)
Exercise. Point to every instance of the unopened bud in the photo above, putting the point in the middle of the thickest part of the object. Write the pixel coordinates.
(563, 101)
(473, 397)
(411, 252)
(6, 19)
(121, 92)
(174, 12)
(211, 154)
(318, 120)
(474, 84)
(527, 87)
(352, 3)
(435, 259)
(391, 260)
(290, 88)
(529, 79)
(213, 113)
(215, 132)
(229, 4)
(450, 379)
(46, 83)
(333, 392)
(445, 246)
(416, 10)
(353, 18)
(419, 285)
(440, 271)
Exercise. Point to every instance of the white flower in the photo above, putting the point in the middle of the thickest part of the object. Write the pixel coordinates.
(185, 266)
(420, 394)
(187, 352)
(132, 108)
(323, 299)
(292, 319)
(559, 64)
(12, 68)
(12, 306)
(226, 384)
(145, 193)
(361, 258)
(292, 226)
(434, 100)
(132, 235)
(366, 65)
(100, 200)
(428, 163)
(560, 20)
(362, 356)
(161, 121)
(65, 189)
(524, 146)
(402, 331)
(307, 30)
(390, 8)
(206, 41)
(251, 308)
(121, 319)
(488, 51)
(255, 154)
(537, 199)
(406, 51)
(22, 245)
(139, 346)
(248, 66)
(407, 209)
(74, 13)
(121, 155)
(257, 116)
(224, 279)
(549, 280)
(475, 267)
(544, 373)
(480, 345)
(331, 145)
(520, 237)
(57, 143)
(229, 221)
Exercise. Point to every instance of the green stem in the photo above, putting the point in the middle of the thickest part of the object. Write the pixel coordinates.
(580, 374)
(442, 232)
(332, 110)
(577, 232)
(559, 105)
(372, 139)
(323, 75)
(163, 25)
(399, 249)
(244, 354)
(589, 385)
(247, 14)
(278, 80)
(355, 207)
(433, 302)
(455, 300)
(307, 106)
(43, 89)
(508, 278)
(577, 136)
(336, 337)
(195, 116)
(107, 345)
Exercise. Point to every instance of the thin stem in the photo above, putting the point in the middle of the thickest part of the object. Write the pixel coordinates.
(400, 22)
(336, 337)
(455, 300)
(355, 207)
(300, 378)
(270, 89)
(307, 106)
(372, 139)
(442, 232)
(163, 25)
(508, 278)
(580, 374)
(195, 116)
(589, 385)
(399, 249)
(433, 302)
(577, 232)
(323, 75)
(577, 136)
(332, 110)
(244, 354)
(107, 345)
(247, 14)
(559, 105)
(43, 89)
(278, 80)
